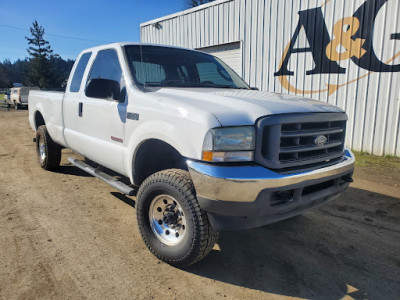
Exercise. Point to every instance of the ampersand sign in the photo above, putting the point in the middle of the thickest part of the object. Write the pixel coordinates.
(343, 30)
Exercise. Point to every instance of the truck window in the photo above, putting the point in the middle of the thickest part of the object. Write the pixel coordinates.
(209, 72)
(106, 66)
(149, 72)
(80, 69)
(156, 66)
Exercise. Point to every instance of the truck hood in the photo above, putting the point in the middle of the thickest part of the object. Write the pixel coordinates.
(240, 107)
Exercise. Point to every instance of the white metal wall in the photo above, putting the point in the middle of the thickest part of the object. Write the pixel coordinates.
(352, 46)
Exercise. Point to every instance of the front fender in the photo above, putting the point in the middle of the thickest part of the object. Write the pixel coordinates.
(176, 123)
(185, 137)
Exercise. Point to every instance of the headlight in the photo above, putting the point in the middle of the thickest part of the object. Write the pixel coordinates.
(229, 144)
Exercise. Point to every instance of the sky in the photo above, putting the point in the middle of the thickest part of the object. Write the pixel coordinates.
(90, 22)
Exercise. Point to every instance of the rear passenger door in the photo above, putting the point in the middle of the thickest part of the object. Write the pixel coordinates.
(101, 122)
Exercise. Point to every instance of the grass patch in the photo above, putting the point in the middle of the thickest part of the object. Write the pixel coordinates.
(1, 97)
(371, 161)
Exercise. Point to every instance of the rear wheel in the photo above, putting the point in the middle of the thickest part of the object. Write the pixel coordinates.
(171, 222)
(48, 152)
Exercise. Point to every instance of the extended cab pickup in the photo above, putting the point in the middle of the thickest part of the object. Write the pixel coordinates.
(204, 151)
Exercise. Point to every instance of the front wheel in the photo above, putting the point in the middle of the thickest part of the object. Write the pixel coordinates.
(48, 152)
(171, 222)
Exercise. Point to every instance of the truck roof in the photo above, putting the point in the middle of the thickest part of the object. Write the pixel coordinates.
(122, 44)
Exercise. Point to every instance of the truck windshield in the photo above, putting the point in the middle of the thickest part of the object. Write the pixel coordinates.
(155, 66)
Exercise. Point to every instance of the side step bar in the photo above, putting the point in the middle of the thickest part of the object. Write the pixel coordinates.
(120, 186)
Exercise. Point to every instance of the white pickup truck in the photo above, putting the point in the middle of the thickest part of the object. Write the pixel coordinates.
(203, 150)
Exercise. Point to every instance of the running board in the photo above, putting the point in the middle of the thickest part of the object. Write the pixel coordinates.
(120, 186)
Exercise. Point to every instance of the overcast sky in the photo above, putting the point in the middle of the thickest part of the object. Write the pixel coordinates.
(95, 21)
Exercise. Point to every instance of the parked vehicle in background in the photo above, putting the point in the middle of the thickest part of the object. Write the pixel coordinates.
(6, 96)
(19, 96)
(206, 152)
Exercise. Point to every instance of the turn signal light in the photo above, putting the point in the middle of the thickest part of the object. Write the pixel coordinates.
(207, 156)
(229, 156)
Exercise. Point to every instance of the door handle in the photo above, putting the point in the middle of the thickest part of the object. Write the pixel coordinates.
(80, 108)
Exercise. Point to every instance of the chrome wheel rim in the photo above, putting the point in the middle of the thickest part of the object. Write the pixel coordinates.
(167, 220)
(42, 150)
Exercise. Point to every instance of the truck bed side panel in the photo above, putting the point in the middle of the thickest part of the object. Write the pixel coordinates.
(49, 104)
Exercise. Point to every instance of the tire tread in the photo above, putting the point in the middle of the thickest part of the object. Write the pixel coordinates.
(53, 155)
(204, 242)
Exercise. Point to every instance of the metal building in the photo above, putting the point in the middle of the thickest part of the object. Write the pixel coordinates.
(343, 52)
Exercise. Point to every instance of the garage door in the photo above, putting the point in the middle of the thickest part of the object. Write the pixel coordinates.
(231, 54)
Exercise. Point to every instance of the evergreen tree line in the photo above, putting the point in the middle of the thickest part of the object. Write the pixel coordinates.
(16, 72)
(42, 68)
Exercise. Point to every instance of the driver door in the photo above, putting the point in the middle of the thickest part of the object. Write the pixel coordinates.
(102, 121)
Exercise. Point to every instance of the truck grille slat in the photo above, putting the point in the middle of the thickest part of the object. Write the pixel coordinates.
(298, 140)
(302, 133)
(309, 148)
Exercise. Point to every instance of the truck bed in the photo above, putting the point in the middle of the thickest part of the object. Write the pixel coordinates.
(50, 106)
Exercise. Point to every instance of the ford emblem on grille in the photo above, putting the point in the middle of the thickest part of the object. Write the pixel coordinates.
(320, 140)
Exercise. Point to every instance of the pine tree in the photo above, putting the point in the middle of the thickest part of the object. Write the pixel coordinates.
(4, 80)
(194, 3)
(39, 70)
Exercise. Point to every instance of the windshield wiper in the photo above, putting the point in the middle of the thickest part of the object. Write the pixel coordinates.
(152, 84)
(168, 83)
(223, 86)
(178, 83)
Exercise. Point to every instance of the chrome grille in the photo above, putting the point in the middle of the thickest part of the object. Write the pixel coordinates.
(288, 141)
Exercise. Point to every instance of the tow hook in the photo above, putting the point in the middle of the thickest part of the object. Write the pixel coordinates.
(347, 178)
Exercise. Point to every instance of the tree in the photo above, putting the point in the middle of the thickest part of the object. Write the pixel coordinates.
(4, 80)
(194, 3)
(15, 71)
(39, 71)
(18, 70)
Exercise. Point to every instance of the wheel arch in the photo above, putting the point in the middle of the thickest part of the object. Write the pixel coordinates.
(38, 119)
(153, 155)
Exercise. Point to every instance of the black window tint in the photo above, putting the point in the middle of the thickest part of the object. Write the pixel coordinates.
(106, 66)
(80, 69)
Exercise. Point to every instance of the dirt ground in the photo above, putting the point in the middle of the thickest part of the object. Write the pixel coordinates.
(65, 234)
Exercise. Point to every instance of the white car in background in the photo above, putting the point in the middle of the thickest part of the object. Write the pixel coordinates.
(19, 96)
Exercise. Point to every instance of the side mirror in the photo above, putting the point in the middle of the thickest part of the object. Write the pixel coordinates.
(104, 89)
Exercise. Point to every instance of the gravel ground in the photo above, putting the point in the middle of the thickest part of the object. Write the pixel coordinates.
(65, 234)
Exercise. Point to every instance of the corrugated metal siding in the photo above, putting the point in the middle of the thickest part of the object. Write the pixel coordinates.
(265, 27)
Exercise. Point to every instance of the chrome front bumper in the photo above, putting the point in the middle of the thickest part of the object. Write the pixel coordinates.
(245, 183)
(244, 197)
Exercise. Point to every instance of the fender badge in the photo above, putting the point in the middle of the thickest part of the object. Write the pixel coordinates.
(117, 139)
(132, 116)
